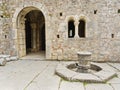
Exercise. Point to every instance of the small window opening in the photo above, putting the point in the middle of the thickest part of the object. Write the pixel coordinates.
(71, 29)
(81, 28)
(118, 10)
(1, 16)
(95, 11)
(60, 13)
(112, 35)
(58, 36)
(5, 36)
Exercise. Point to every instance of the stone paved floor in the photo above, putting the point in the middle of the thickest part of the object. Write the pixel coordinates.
(39, 75)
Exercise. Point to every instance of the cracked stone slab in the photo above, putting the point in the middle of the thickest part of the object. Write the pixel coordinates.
(47, 80)
(115, 66)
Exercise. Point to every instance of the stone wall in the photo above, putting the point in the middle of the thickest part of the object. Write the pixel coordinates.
(102, 28)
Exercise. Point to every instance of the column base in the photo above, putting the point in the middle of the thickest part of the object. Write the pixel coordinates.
(76, 36)
(34, 50)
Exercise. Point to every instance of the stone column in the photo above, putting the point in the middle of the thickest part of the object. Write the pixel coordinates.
(76, 23)
(34, 41)
(38, 39)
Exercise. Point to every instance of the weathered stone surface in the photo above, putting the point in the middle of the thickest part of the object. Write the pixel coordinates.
(82, 77)
(99, 87)
(4, 56)
(2, 61)
(102, 34)
(13, 58)
(105, 75)
(64, 72)
(39, 75)
(71, 85)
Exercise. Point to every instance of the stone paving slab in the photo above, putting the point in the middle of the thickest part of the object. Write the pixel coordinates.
(39, 75)
(87, 78)
(65, 85)
(98, 87)
(66, 74)
(114, 80)
(115, 66)
(105, 75)
(49, 80)
(19, 74)
(118, 74)
(116, 86)
(106, 66)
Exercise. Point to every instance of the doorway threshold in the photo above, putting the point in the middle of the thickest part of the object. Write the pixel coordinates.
(34, 56)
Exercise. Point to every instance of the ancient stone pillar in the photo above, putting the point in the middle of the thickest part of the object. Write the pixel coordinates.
(34, 41)
(76, 23)
(38, 38)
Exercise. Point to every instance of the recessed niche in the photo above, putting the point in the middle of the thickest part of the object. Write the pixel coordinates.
(61, 14)
(5, 36)
(95, 11)
(1, 16)
(118, 10)
(112, 35)
(58, 36)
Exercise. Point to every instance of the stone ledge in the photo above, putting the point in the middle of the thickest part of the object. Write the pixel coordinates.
(84, 53)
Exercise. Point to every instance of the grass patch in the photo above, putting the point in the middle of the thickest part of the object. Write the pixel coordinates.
(85, 83)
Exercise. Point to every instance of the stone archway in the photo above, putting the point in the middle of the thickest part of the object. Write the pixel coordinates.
(34, 31)
(30, 33)
(29, 23)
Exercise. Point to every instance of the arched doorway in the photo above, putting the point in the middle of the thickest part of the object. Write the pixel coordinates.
(35, 31)
(31, 31)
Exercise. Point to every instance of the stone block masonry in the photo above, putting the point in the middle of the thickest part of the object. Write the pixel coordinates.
(101, 26)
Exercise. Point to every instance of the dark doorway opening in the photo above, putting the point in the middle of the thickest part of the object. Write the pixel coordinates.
(43, 37)
(28, 36)
(35, 31)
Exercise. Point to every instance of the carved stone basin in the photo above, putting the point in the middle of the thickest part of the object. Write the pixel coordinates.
(97, 73)
(84, 70)
(84, 59)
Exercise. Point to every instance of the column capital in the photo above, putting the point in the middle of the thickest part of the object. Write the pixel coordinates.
(33, 25)
(76, 23)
